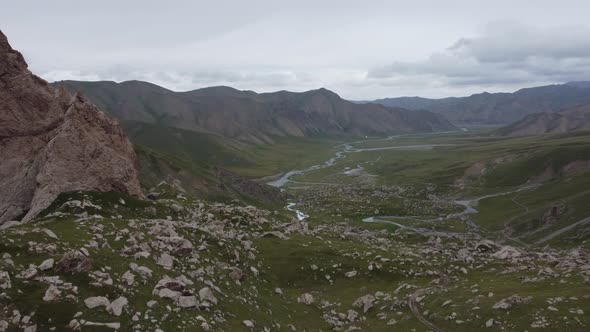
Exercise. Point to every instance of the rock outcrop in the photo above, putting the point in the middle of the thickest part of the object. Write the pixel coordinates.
(52, 142)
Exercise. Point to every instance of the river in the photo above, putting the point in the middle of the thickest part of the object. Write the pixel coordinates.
(341, 153)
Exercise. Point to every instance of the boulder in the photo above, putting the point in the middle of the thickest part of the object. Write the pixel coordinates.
(74, 262)
(96, 301)
(52, 294)
(116, 307)
(237, 274)
(351, 274)
(128, 278)
(510, 301)
(187, 301)
(166, 261)
(46, 265)
(205, 294)
(366, 302)
(5, 280)
(306, 298)
(507, 252)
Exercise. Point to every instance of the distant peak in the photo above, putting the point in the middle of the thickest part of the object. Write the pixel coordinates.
(325, 92)
(579, 84)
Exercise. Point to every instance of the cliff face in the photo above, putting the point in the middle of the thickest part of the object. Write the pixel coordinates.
(52, 142)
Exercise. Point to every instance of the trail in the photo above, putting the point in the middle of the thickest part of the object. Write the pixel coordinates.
(421, 231)
(547, 237)
(503, 232)
(563, 230)
(416, 311)
(468, 204)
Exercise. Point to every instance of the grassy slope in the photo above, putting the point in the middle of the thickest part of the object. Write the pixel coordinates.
(204, 150)
(297, 265)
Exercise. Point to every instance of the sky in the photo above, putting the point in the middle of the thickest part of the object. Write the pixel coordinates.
(361, 50)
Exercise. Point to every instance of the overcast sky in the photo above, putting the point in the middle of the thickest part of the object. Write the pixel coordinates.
(360, 49)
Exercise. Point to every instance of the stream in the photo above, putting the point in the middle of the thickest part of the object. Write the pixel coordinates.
(300, 215)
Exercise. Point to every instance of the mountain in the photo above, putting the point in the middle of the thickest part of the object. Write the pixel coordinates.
(411, 103)
(250, 116)
(575, 118)
(52, 142)
(499, 108)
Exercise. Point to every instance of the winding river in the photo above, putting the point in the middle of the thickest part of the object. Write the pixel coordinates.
(343, 149)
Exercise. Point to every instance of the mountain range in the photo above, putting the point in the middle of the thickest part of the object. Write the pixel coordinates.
(499, 108)
(254, 117)
(575, 118)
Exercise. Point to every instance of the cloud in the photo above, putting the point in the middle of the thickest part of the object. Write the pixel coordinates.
(504, 53)
(344, 45)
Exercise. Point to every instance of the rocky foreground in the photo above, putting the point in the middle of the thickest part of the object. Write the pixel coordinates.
(110, 262)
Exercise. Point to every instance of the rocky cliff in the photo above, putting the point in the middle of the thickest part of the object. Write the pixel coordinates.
(52, 142)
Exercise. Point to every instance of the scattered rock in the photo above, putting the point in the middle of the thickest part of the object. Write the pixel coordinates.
(116, 307)
(96, 301)
(237, 274)
(166, 261)
(52, 294)
(128, 278)
(254, 270)
(50, 233)
(507, 252)
(508, 302)
(366, 302)
(46, 265)
(205, 294)
(350, 274)
(306, 298)
(187, 301)
(5, 280)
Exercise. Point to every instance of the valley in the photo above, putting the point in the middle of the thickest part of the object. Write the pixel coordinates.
(445, 231)
(138, 208)
(454, 180)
